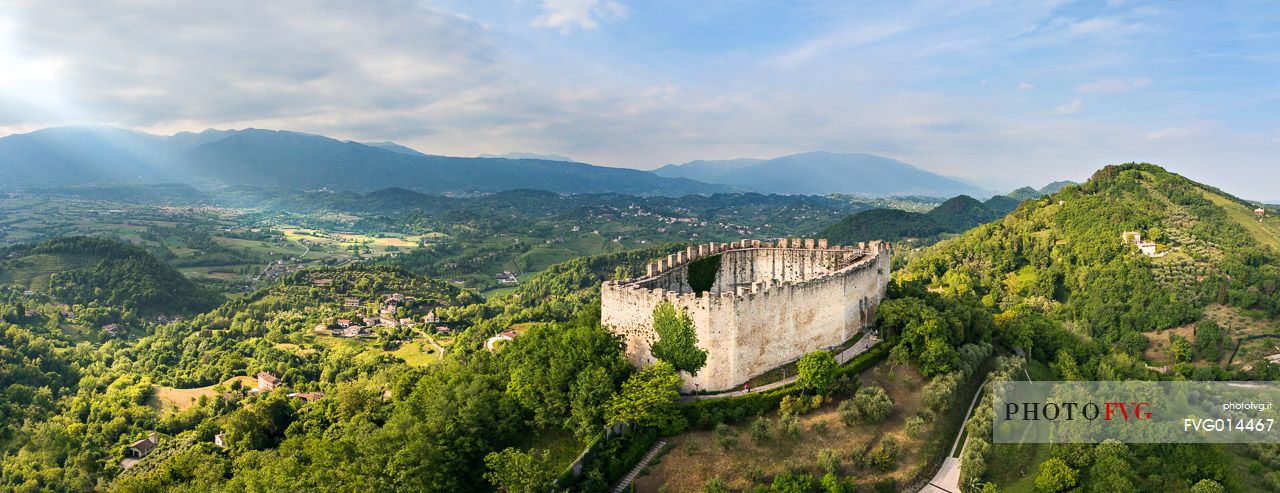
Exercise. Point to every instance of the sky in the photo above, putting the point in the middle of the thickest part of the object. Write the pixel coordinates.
(1004, 94)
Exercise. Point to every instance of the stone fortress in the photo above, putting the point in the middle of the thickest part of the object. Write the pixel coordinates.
(770, 303)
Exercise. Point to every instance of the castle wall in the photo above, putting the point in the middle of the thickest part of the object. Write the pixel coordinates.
(769, 307)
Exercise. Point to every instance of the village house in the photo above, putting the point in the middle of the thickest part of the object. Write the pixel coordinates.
(444, 331)
(406, 322)
(386, 321)
(351, 302)
(267, 382)
(141, 448)
(342, 322)
(506, 277)
(322, 282)
(1147, 248)
(430, 317)
(111, 329)
(220, 440)
(1260, 212)
(352, 331)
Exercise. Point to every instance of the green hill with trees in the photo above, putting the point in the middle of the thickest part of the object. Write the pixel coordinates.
(1061, 284)
(100, 272)
(955, 215)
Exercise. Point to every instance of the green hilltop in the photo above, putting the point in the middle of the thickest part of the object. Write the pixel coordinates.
(94, 271)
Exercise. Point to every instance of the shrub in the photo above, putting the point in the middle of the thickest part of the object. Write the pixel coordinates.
(914, 426)
(870, 404)
(829, 460)
(797, 405)
(715, 485)
(789, 426)
(760, 430)
(833, 484)
(792, 482)
(725, 436)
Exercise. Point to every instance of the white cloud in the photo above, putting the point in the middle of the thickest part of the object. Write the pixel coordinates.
(567, 15)
(842, 39)
(1024, 87)
(1113, 85)
(1068, 109)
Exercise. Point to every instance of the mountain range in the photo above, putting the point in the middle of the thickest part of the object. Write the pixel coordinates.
(70, 156)
(94, 155)
(824, 172)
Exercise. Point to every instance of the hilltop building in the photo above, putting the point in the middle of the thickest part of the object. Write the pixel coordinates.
(1147, 248)
(770, 302)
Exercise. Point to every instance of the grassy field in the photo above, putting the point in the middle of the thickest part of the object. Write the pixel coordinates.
(1265, 231)
(417, 353)
(181, 399)
(697, 456)
(33, 271)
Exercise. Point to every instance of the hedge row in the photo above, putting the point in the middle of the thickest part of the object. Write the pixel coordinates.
(706, 414)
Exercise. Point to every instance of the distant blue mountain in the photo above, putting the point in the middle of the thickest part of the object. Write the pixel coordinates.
(823, 173)
(530, 155)
(73, 156)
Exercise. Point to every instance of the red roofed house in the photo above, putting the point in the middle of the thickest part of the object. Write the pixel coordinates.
(141, 448)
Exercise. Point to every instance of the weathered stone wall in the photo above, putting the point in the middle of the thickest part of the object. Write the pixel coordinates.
(772, 302)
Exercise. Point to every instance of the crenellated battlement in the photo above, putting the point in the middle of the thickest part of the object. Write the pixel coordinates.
(771, 301)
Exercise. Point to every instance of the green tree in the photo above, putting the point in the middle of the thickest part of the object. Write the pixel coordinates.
(677, 339)
(515, 471)
(817, 371)
(870, 404)
(648, 398)
(1180, 348)
(1111, 470)
(1208, 340)
(1208, 486)
(1055, 475)
(792, 482)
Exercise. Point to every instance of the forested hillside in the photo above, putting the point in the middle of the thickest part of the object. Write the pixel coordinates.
(98, 272)
(1064, 286)
(955, 215)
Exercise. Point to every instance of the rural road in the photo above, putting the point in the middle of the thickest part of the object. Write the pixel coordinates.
(948, 477)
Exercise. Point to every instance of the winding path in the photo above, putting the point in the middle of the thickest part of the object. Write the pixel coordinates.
(948, 477)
